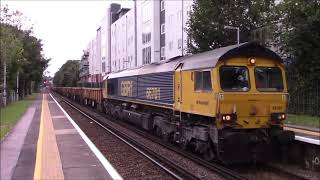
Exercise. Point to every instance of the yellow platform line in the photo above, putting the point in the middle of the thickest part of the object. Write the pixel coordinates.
(48, 164)
(303, 131)
(37, 169)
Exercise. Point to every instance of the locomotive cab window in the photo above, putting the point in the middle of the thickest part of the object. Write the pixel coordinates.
(112, 86)
(234, 78)
(268, 79)
(203, 81)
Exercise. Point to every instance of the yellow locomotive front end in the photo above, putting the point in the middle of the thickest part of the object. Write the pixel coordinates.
(232, 103)
(251, 109)
(252, 93)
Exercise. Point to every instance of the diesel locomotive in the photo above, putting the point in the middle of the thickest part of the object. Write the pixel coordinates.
(227, 104)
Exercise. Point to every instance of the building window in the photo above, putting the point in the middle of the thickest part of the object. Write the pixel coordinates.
(170, 45)
(179, 16)
(189, 10)
(146, 55)
(179, 43)
(162, 5)
(162, 52)
(163, 28)
(170, 19)
(103, 67)
(146, 38)
(203, 80)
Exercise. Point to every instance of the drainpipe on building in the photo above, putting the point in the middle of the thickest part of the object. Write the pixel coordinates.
(182, 24)
(126, 42)
(135, 32)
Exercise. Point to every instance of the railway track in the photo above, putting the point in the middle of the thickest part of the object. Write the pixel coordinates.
(180, 172)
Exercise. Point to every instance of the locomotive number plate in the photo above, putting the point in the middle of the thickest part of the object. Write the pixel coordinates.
(276, 108)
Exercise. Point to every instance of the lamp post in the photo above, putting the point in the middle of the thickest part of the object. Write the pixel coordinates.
(238, 33)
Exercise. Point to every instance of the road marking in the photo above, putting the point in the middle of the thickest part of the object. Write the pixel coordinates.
(37, 169)
(303, 131)
(106, 164)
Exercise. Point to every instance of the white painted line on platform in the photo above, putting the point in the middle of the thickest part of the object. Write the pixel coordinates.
(106, 164)
(58, 117)
(65, 131)
(307, 140)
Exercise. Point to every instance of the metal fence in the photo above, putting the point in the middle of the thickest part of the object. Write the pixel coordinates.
(304, 95)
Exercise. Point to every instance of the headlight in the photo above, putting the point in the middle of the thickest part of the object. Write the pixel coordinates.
(278, 116)
(251, 61)
(229, 117)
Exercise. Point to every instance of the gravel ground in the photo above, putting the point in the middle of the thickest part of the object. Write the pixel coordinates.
(263, 173)
(128, 162)
(312, 175)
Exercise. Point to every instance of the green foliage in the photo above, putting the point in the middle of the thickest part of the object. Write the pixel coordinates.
(20, 52)
(206, 24)
(301, 36)
(299, 40)
(68, 74)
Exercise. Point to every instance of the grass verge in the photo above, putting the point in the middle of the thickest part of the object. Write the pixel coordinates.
(13, 112)
(304, 120)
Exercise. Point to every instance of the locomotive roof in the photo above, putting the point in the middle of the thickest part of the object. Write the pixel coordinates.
(203, 60)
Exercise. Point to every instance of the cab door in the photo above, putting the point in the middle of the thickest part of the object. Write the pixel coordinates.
(178, 87)
(105, 88)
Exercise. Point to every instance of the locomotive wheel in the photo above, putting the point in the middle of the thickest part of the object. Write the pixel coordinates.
(208, 155)
(158, 131)
(183, 144)
(166, 137)
(107, 110)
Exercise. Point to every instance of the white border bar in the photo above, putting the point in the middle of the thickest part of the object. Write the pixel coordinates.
(106, 164)
(307, 140)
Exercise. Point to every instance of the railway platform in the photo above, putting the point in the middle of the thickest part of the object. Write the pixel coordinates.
(305, 134)
(47, 144)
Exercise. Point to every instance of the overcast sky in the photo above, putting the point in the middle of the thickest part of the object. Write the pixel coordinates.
(65, 27)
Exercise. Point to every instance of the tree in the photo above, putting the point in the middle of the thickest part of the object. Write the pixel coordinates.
(68, 74)
(206, 24)
(21, 54)
(299, 40)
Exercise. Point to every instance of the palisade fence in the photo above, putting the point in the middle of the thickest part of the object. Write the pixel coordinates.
(12, 95)
(304, 95)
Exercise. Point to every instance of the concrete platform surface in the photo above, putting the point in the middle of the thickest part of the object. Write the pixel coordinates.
(47, 144)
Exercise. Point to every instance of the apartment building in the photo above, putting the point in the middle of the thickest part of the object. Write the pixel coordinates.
(94, 61)
(150, 32)
(84, 67)
(173, 28)
(123, 40)
(106, 22)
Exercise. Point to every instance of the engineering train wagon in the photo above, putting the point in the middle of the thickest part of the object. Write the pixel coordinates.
(227, 104)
